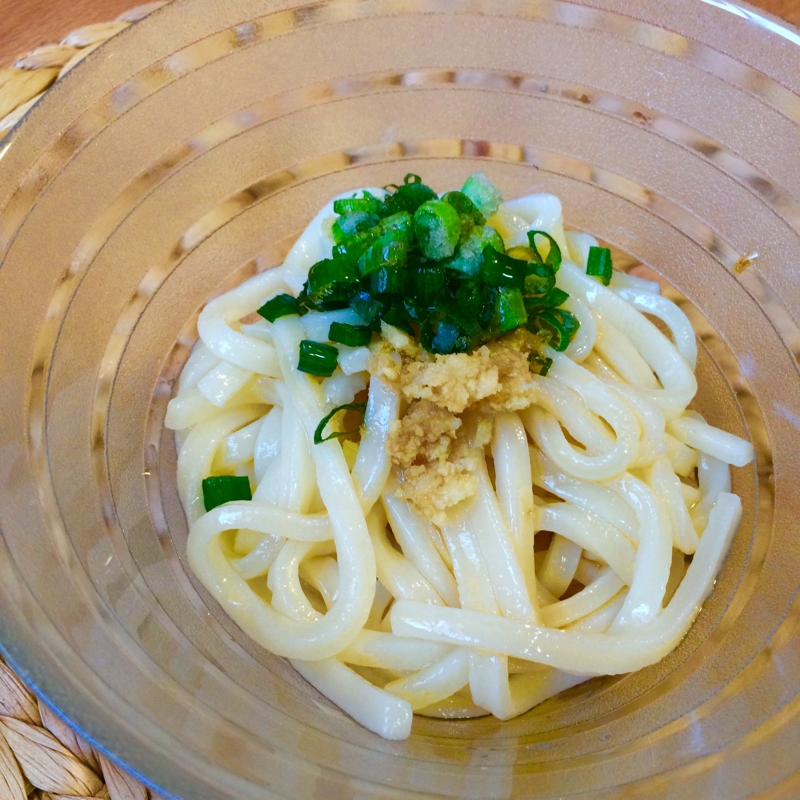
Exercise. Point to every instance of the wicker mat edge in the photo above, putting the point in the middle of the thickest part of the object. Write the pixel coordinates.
(23, 84)
(41, 756)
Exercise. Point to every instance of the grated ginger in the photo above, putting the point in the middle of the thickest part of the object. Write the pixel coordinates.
(452, 400)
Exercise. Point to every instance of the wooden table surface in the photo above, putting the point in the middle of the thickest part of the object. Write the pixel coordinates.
(24, 24)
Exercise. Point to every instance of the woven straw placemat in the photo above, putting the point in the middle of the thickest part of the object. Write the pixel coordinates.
(41, 757)
(33, 74)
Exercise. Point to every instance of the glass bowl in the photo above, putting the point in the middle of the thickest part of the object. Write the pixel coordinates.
(188, 154)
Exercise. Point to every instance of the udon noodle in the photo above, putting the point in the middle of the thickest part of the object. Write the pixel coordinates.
(602, 513)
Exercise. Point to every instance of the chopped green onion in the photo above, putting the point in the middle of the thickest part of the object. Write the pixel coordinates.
(469, 256)
(331, 283)
(351, 223)
(437, 227)
(545, 363)
(467, 212)
(551, 299)
(498, 269)
(510, 308)
(368, 203)
(554, 254)
(224, 488)
(440, 335)
(387, 279)
(433, 268)
(559, 324)
(366, 306)
(317, 358)
(282, 305)
(319, 438)
(599, 264)
(429, 286)
(351, 335)
(397, 316)
(539, 278)
(409, 197)
(389, 251)
(483, 194)
(472, 306)
(353, 248)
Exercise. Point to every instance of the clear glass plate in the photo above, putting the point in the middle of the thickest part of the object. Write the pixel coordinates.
(187, 154)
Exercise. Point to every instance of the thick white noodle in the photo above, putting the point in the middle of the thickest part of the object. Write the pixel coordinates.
(624, 651)
(395, 572)
(677, 379)
(435, 682)
(379, 711)
(268, 441)
(241, 445)
(580, 347)
(712, 441)
(624, 280)
(385, 612)
(200, 362)
(514, 487)
(578, 245)
(560, 562)
(590, 532)
(387, 651)
(230, 345)
(652, 303)
(373, 462)
(621, 354)
(653, 555)
(415, 535)
(596, 594)
(222, 383)
(497, 548)
(197, 454)
(667, 485)
(593, 498)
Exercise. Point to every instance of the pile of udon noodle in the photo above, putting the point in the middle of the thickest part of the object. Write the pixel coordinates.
(601, 516)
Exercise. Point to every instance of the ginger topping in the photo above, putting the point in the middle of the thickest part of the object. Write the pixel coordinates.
(451, 400)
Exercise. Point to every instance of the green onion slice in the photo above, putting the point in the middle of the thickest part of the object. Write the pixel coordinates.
(366, 306)
(368, 203)
(559, 324)
(351, 335)
(544, 363)
(409, 197)
(430, 285)
(282, 305)
(469, 256)
(498, 269)
(348, 225)
(389, 251)
(599, 264)
(397, 316)
(483, 194)
(551, 299)
(510, 308)
(437, 227)
(319, 438)
(553, 256)
(467, 212)
(317, 358)
(387, 279)
(225, 488)
(539, 278)
(441, 335)
(331, 283)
